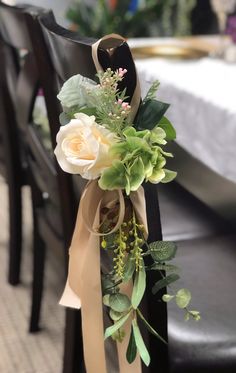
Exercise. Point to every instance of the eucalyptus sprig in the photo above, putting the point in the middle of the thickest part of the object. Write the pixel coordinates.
(130, 248)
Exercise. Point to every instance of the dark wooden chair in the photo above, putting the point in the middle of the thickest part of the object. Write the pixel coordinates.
(54, 204)
(14, 107)
(68, 55)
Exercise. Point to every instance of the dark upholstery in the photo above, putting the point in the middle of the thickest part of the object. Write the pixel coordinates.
(208, 346)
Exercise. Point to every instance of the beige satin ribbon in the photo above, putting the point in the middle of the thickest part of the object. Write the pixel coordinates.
(83, 287)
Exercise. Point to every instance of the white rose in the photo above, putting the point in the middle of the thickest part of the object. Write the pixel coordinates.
(82, 147)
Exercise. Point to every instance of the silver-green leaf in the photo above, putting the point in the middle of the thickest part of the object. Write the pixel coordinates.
(139, 287)
(117, 325)
(162, 251)
(119, 302)
(167, 297)
(183, 297)
(132, 349)
(164, 282)
(129, 268)
(75, 92)
(143, 352)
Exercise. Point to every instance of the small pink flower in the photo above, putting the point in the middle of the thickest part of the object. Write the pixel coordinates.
(122, 72)
(124, 105)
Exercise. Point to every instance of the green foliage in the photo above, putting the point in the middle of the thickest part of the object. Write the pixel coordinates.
(165, 282)
(139, 287)
(141, 157)
(150, 113)
(113, 177)
(169, 176)
(114, 315)
(129, 268)
(64, 118)
(166, 125)
(162, 251)
(117, 325)
(163, 267)
(149, 327)
(194, 314)
(140, 343)
(163, 17)
(151, 93)
(76, 92)
(132, 348)
(119, 302)
(167, 297)
(183, 297)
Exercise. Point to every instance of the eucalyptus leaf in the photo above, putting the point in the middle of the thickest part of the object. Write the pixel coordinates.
(129, 268)
(75, 91)
(165, 282)
(167, 297)
(88, 110)
(114, 315)
(132, 348)
(149, 114)
(140, 344)
(195, 314)
(163, 267)
(107, 284)
(64, 118)
(106, 299)
(117, 325)
(162, 251)
(119, 302)
(166, 125)
(183, 297)
(139, 286)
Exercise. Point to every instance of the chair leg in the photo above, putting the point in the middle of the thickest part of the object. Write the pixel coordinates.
(15, 233)
(39, 252)
(73, 347)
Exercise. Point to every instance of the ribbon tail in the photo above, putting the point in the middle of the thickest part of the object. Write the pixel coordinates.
(70, 298)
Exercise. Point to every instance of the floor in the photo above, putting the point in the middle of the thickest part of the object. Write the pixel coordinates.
(20, 351)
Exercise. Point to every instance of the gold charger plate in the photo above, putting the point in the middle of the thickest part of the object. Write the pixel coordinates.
(168, 51)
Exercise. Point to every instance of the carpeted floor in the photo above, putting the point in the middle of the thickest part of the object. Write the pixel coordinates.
(21, 352)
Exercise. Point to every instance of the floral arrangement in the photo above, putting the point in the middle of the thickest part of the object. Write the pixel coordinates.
(99, 141)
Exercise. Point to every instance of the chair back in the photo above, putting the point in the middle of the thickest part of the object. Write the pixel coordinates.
(69, 55)
(211, 188)
(21, 36)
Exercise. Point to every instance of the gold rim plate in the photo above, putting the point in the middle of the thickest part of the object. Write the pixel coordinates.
(168, 51)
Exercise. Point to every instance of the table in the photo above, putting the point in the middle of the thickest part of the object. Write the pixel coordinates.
(203, 105)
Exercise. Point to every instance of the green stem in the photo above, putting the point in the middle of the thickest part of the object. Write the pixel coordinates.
(149, 327)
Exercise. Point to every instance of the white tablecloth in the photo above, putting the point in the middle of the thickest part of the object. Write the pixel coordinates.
(203, 106)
